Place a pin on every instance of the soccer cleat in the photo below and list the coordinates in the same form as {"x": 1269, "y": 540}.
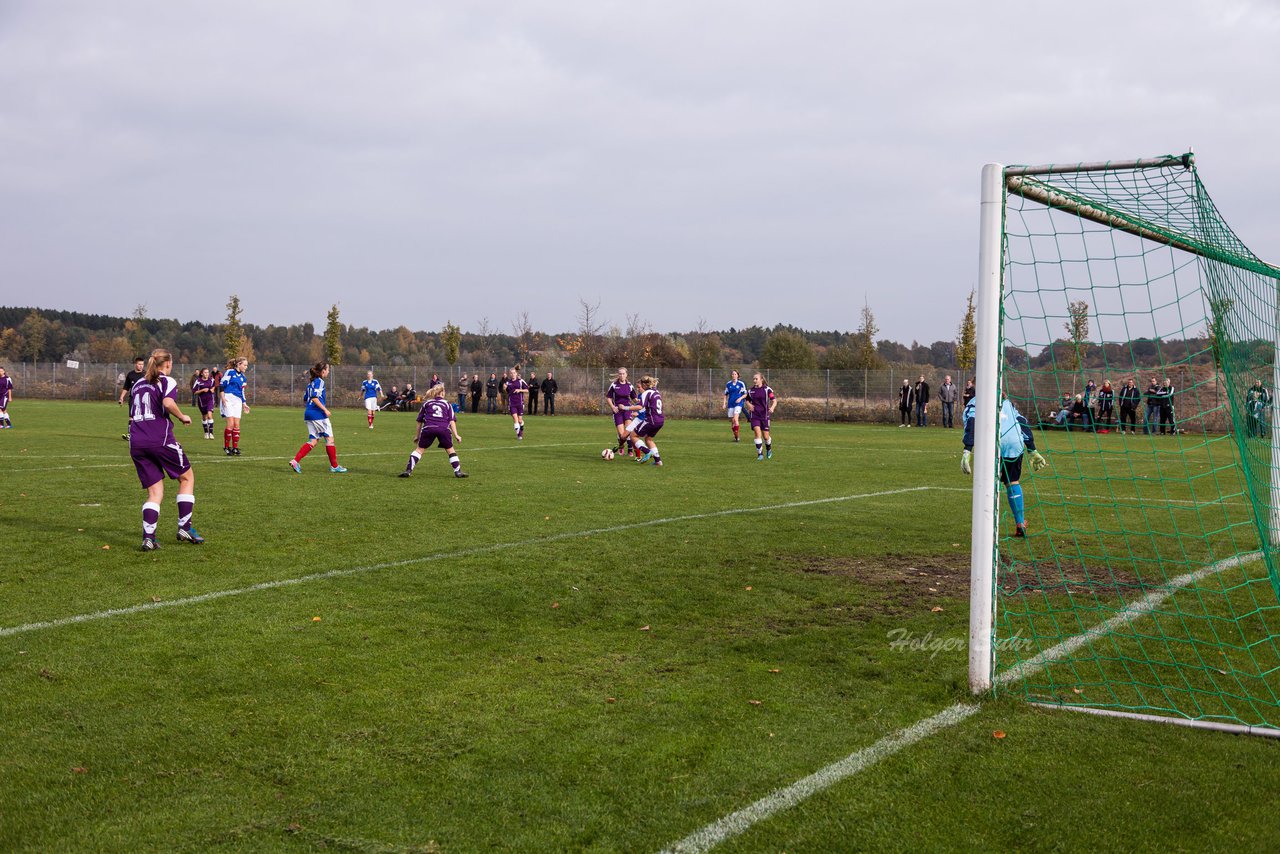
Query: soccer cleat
{"x": 759, "y": 458}
{"x": 227, "y": 451}
{"x": 768, "y": 455}
{"x": 149, "y": 544}
{"x": 460, "y": 474}
{"x": 293, "y": 464}
{"x": 235, "y": 452}
{"x": 337, "y": 469}
{"x": 190, "y": 535}
{"x": 657, "y": 462}
{"x": 1020, "y": 531}
{"x": 405, "y": 473}
{"x": 647, "y": 456}
{"x": 124, "y": 436}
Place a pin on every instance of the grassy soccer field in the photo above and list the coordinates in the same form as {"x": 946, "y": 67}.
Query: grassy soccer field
{"x": 558, "y": 653}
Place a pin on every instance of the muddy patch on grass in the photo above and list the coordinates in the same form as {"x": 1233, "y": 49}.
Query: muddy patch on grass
{"x": 1024, "y": 578}
{"x": 902, "y": 584}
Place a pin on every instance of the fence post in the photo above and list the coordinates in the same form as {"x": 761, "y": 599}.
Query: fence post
{"x": 827, "y": 405}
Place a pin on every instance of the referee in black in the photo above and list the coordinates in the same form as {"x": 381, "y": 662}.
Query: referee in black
{"x": 129, "y": 379}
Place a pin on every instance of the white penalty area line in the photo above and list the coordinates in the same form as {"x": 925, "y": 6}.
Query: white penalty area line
{"x": 242, "y": 460}
{"x": 782, "y": 799}
{"x": 479, "y": 550}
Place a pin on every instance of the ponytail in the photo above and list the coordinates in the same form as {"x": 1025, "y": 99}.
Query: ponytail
{"x": 317, "y": 369}
{"x": 158, "y": 358}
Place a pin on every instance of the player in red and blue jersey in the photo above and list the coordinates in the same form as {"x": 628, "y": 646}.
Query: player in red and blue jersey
{"x": 622, "y": 398}
{"x": 204, "y": 389}
{"x": 735, "y": 392}
{"x": 316, "y": 414}
{"x": 156, "y": 453}
{"x": 760, "y": 403}
{"x": 234, "y": 404}
{"x": 372, "y": 390}
{"x": 436, "y": 423}
{"x": 6, "y": 395}
{"x": 642, "y": 435}
{"x": 517, "y": 390}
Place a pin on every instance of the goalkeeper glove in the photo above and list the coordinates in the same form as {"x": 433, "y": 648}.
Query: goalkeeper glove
{"x": 1037, "y": 461}
{"x": 966, "y": 462}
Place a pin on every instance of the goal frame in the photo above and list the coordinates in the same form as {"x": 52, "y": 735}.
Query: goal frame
{"x": 997, "y": 182}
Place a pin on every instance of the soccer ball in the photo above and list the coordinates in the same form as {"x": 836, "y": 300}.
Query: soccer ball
{"x": 606, "y": 454}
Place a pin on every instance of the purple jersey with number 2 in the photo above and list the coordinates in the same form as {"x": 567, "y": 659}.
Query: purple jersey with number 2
{"x": 515, "y": 399}
{"x": 760, "y": 400}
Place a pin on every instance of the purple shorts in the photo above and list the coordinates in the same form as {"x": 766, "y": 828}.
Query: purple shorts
{"x": 760, "y": 420}
{"x": 4, "y": 401}
{"x": 427, "y": 435}
{"x": 648, "y": 429}
{"x": 516, "y": 404}
{"x": 622, "y": 416}
{"x": 154, "y": 463}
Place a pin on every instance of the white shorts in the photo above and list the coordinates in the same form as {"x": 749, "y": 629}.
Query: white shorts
{"x": 734, "y": 411}
{"x": 232, "y": 406}
{"x": 319, "y": 429}
{"x": 633, "y": 424}
{"x": 371, "y": 404}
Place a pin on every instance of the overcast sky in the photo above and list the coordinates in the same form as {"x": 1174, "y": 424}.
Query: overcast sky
{"x": 742, "y": 162}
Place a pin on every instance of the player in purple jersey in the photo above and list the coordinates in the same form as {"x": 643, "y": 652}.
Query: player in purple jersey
{"x": 6, "y": 395}
{"x": 622, "y": 398}
{"x": 316, "y": 415}
{"x": 643, "y": 433}
{"x": 205, "y": 391}
{"x": 517, "y": 389}
{"x": 156, "y": 453}
{"x": 436, "y": 423}
{"x": 760, "y": 403}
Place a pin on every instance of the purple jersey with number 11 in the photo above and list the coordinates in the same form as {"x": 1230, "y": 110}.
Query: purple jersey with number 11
{"x": 149, "y": 424}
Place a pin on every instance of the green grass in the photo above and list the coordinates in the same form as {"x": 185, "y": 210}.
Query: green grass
{"x": 521, "y": 661}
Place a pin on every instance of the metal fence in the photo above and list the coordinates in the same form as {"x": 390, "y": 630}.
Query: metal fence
{"x": 690, "y": 393}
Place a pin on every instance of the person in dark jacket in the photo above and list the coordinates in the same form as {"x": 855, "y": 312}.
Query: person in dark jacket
{"x": 534, "y": 388}
{"x": 491, "y": 394}
{"x": 1130, "y": 398}
{"x": 1165, "y": 393}
{"x": 969, "y": 392}
{"x": 1257, "y": 403}
{"x": 476, "y": 388}
{"x": 922, "y": 402}
{"x": 1153, "y": 407}
{"x": 906, "y": 398}
{"x": 1106, "y": 403}
{"x": 549, "y": 389}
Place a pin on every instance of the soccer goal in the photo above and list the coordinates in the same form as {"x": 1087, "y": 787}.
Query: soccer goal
{"x": 1137, "y": 335}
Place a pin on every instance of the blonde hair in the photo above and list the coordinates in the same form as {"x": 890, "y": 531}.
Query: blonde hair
{"x": 647, "y": 381}
{"x": 158, "y": 358}
{"x": 436, "y": 390}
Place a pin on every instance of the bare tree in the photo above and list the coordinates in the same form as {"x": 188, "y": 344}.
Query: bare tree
{"x": 522, "y": 329}
{"x": 590, "y": 325}
{"x": 484, "y": 330}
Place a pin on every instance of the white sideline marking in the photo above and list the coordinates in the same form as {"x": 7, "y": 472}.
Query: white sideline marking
{"x": 781, "y": 799}
{"x": 338, "y": 573}
{"x": 241, "y": 460}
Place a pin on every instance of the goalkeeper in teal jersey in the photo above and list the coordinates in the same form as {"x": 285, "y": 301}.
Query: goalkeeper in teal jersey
{"x": 1015, "y": 440}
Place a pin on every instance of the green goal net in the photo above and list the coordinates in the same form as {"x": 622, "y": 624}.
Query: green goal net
{"x": 1138, "y": 339}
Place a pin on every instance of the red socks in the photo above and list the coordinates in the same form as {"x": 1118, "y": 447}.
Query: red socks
{"x": 333, "y": 455}
{"x": 302, "y": 452}
{"x": 235, "y": 438}
{"x": 735, "y": 431}
{"x": 226, "y": 437}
